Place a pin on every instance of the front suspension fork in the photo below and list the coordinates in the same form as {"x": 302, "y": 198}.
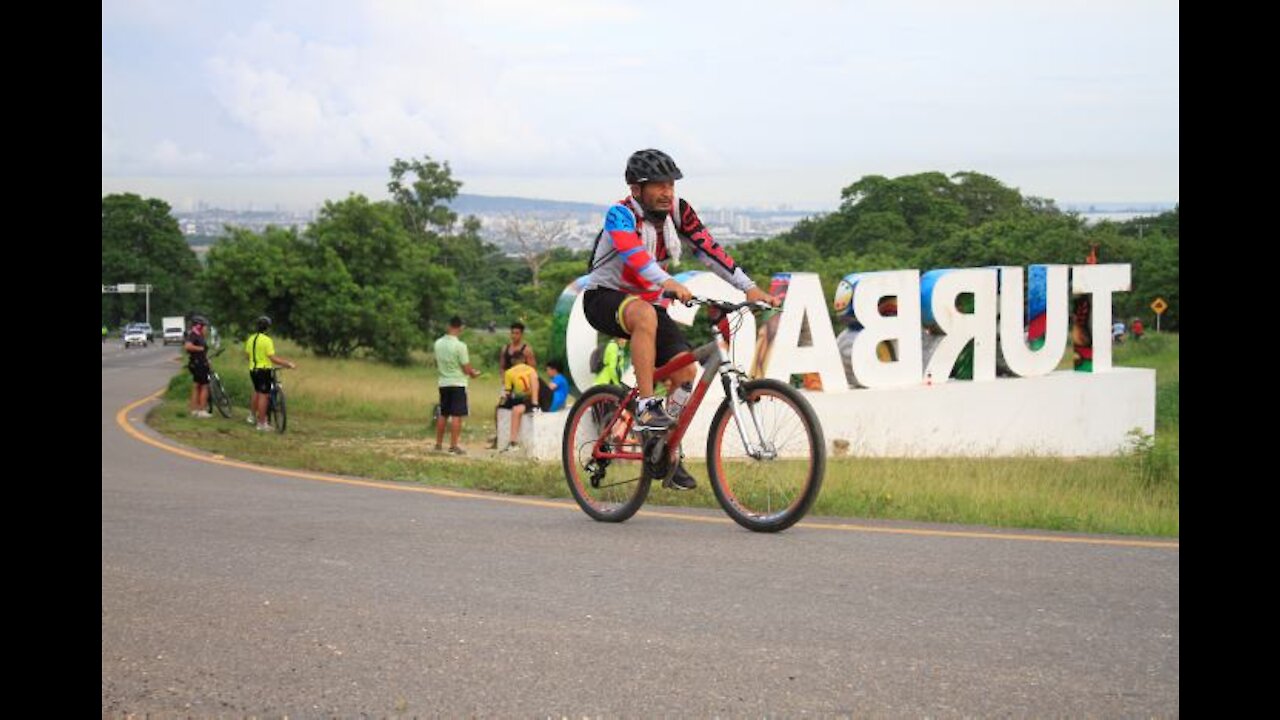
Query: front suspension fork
{"x": 736, "y": 396}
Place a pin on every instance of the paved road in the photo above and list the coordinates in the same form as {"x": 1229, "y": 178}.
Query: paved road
{"x": 230, "y": 591}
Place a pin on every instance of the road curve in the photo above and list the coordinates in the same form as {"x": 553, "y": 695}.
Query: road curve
{"x": 234, "y": 590}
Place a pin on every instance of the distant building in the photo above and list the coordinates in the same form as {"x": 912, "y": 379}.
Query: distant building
{"x": 728, "y": 225}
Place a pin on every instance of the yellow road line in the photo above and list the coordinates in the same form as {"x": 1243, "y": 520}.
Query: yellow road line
{"x": 122, "y": 420}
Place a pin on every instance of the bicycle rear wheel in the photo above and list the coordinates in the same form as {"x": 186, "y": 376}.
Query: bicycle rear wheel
{"x": 218, "y": 396}
{"x": 607, "y": 490}
{"x": 769, "y": 493}
{"x": 277, "y": 412}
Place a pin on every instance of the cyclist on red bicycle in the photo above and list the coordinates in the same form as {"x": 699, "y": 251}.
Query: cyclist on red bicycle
{"x": 641, "y": 236}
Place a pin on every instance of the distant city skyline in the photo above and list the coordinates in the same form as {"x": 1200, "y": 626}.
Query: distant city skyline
{"x": 293, "y": 102}
{"x": 171, "y": 191}
{"x": 239, "y": 193}
{"x": 729, "y": 225}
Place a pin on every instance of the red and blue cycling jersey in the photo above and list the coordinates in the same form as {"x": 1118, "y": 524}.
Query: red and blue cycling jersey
{"x": 624, "y": 261}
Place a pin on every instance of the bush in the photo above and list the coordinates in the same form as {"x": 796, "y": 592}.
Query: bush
{"x": 1156, "y": 463}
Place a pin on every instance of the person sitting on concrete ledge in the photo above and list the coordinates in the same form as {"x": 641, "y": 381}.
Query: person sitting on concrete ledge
{"x": 555, "y": 391}
{"x": 520, "y": 393}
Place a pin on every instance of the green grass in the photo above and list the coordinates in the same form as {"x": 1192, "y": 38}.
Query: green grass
{"x": 1155, "y": 459}
{"x": 357, "y": 417}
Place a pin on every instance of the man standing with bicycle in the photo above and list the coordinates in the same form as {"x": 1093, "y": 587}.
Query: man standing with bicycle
{"x": 198, "y": 364}
{"x": 642, "y": 234}
{"x": 261, "y": 351}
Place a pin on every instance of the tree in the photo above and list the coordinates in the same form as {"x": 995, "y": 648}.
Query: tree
{"x": 762, "y": 258}
{"x": 367, "y": 236}
{"x": 329, "y": 317}
{"x": 907, "y": 212}
{"x": 930, "y": 220}
{"x": 423, "y": 202}
{"x": 1020, "y": 240}
{"x": 424, "y": 212}
{"x": 249, "y": 274}
{"x": 536, "y": 238}
{"x": 984, "y": 198}
{"x": 365, "y": 283}
{"x": 355, "y": 279}
{"x": 141, "y": 243}
{"x": 1150, "y": 245}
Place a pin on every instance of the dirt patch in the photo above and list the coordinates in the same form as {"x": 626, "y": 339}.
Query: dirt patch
{"x": 400, "y": 448}
{"x": 408, "y": 448}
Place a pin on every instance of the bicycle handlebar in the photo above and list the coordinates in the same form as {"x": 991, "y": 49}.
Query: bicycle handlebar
{"x": 722, "y": 305}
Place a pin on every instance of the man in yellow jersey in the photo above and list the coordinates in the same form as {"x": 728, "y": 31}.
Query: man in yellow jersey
{"x": 520, "y": 385}
{"x": 261, "y": 352}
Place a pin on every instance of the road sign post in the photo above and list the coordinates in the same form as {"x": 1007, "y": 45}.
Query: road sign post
{"x": 131, "y": 288}
{"x": 1159, "y": 305}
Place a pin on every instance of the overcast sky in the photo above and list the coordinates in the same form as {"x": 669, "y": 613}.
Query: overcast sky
{"x": 295, "y": 102}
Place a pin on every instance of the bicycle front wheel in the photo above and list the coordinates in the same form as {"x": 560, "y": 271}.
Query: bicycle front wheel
{"x": 277, "y": 413}
{"x": 218, "y": 396}
{"x": 770, "y": 486}
{"x": 609, "y": 490}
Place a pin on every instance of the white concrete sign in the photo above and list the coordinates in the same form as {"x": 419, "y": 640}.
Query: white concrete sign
{"x": 1020, "y": 358}
{"x": 958, "y": 328}
{"x": 986, "y": 309}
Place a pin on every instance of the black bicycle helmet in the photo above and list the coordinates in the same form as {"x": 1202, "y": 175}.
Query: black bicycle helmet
{"x": 263, "y": 323}
{"x": 199, "y": 320}
{"x": 651, "y": 166}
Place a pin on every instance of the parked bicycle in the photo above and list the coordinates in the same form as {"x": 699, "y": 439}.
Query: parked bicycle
{"x": 218, "y": 396}
{"x": 766, "y": 456}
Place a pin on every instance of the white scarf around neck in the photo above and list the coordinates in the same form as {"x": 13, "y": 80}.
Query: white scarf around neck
{"x": 649, "y": 233}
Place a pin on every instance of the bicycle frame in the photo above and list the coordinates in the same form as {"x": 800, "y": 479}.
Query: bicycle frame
{"x": 275, "y": 385}
{"x": 714, "y": 361}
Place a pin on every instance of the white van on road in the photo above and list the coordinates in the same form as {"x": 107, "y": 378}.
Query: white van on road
{"x": 174, "y": 329}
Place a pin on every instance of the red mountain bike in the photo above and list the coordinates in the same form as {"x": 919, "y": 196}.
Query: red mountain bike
{"x": 765, "y": 451}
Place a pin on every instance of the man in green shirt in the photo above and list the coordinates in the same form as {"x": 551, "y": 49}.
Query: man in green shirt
{"x": 454, "y": 365}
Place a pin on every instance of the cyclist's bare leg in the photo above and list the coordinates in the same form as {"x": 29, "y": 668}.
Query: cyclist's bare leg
{"x": 440, "y": 430}
{"x": 455, "y": 429}
{"x": 260, "y": 401}
{"x": 642, "y": 322}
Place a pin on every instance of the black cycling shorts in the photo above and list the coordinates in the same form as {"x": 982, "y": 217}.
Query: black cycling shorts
{"x": 601, "y": 308}
{"x": 261, "y": 380}
{"x": 199, "y": 374}
{"x": 512, "y": 401}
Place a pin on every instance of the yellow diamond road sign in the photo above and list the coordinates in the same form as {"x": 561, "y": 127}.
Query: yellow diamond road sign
{"x": 1159, "y": 306}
